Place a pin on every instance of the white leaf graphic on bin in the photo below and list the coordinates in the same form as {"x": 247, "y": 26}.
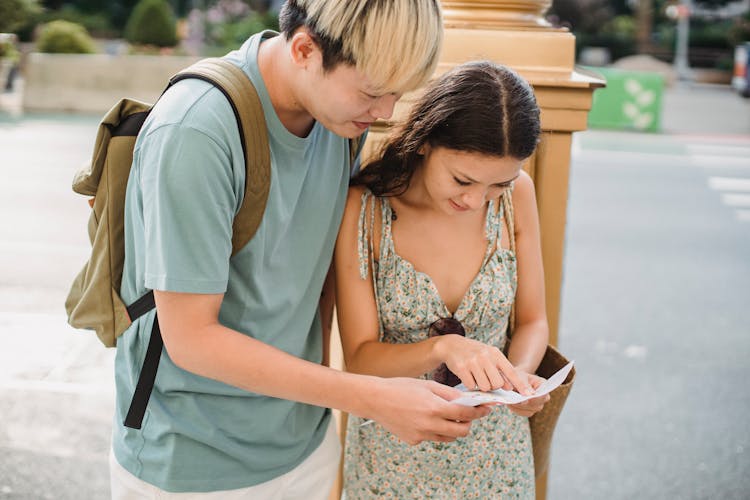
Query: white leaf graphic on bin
{"x": 646, "y": 98}
{"x": 632, "y": 86}
{"x": 643, "y": 121}
{"x": 630, "y": 110}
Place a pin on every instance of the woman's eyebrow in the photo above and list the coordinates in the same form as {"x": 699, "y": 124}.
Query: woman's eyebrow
{"x": 508, "y": 181}
{"x": 469, "y": 179}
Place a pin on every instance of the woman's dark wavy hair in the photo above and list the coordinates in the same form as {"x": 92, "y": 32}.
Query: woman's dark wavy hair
{"x": 478, "y": 107}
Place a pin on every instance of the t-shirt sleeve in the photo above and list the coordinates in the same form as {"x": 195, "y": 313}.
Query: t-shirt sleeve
{"x": 189, "y": 202}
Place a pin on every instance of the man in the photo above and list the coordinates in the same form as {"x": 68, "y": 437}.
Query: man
{"x": 239, "y": 407}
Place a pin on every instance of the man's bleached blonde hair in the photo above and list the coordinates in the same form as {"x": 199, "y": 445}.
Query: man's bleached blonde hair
{"x": 395, "y": 44}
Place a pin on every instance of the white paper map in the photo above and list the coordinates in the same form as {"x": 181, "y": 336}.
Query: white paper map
{"x": 476, "y": 398}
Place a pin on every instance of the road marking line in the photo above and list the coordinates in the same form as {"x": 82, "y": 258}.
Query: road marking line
{"x": 729, "y": 183}
{"x": 736, "y": 200}
{"x": 658, "y": 159}
{"x": 696, "y": 138}
{"x": 742, "y": 215}
{"x": 707, "y": 161}
{"x": 663, "y": 159}
{"x": 718, "y": 150}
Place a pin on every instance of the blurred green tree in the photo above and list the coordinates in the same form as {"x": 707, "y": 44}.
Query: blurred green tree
{"x": 152, "y": 23}
{"x": 14, "y": 14}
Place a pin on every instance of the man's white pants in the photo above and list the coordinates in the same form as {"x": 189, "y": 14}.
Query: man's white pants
{"x": 310, "y": 480}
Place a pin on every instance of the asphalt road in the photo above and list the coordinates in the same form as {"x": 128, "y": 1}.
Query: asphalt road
{"x": 655, "y": 312}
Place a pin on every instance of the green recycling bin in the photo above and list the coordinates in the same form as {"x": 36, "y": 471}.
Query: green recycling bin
{"x": 632, "y": 100}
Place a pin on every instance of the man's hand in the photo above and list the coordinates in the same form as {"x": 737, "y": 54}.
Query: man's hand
{"x": 418, "y": 410}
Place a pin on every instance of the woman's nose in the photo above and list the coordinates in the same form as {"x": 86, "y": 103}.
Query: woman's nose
{"x": 475, "y": 198}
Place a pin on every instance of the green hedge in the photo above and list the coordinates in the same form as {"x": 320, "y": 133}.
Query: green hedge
{"x": 64, "y": 37}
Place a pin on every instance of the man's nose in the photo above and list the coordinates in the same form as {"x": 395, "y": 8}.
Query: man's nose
{"x": 383, "y": 106}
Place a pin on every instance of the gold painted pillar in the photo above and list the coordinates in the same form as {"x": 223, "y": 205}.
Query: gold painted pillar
{"x": 515, "y": 33}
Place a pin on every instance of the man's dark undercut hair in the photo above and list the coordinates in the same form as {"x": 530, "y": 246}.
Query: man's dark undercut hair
{"x": 292, "y": 16}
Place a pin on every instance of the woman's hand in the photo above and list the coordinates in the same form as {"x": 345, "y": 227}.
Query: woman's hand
{"x": 533, "y": 405}
{"x": 479, "y": 365}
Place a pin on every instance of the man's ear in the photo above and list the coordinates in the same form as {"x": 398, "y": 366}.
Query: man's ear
{"x": 303, "y": 49}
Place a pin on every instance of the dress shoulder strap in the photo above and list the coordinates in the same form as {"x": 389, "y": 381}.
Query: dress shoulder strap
{"x": 507, "y": 201}
{"x": 364, "y": 232}
{"x": 366, "y": 247}
{"x": 496, "y": 214}
{"x": 374, "y": 219}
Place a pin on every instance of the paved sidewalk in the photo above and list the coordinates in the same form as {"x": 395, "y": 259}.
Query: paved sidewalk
{"x": 56, "y": 383}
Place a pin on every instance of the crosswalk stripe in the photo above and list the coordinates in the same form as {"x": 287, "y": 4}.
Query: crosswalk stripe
{"x": 708, "y": 161}
{"x": 717, "y": 150}
{"x": 664, "y": 159}
{"x": 729, "y": 183}
{"x": 736, "y": 200}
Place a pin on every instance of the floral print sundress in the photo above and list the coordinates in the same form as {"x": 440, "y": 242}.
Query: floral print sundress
{"x": 495, "y": 460}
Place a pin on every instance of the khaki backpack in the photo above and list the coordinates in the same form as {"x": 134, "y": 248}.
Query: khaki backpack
{"x": 94, "y": 302}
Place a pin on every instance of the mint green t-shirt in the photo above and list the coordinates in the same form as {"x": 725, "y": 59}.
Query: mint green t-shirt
{"x": 186, "y": 185}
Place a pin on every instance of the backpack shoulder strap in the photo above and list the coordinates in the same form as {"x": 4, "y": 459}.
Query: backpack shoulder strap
{"x": 248, "y": 110}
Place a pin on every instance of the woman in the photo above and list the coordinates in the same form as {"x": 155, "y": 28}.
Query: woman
{"x": 440, "y": 237}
